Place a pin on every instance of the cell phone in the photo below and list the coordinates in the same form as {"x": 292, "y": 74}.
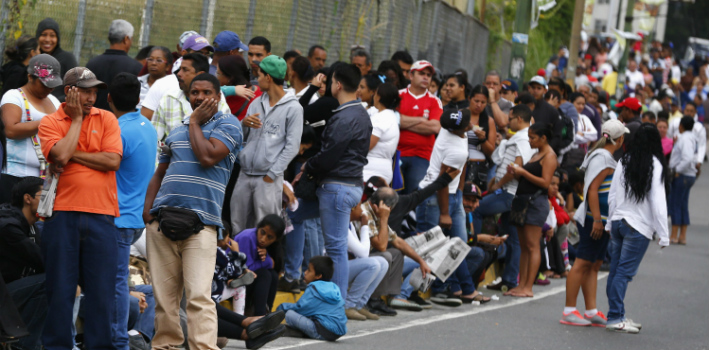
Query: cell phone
{"x": 505, "y": 236}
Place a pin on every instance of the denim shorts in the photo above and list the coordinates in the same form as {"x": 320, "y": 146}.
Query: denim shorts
{"x": 590, "y": 249}
{"x": 537, "y": 211}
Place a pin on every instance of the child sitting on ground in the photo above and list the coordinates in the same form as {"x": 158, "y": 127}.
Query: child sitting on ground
{"x": 320, "y": 311}
{"x": 231, "y": 275}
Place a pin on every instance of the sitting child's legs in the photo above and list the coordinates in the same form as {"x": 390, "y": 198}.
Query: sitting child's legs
{"x": 303, "y": 324}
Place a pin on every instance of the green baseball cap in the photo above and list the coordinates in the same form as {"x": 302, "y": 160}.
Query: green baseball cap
{"x": 274, "y": 66}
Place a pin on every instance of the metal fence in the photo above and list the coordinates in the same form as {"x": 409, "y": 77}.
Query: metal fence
{"x": 430, "y": 30}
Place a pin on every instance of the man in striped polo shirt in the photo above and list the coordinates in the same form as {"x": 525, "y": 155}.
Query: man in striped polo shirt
{"x": 515, "y": 150}
{"x": 192, "y": 174}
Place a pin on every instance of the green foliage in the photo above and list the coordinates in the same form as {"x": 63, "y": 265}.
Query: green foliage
{"x": 554, "y": 30}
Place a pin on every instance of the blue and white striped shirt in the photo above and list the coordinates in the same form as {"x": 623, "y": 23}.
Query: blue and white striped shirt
{"x": 187, "y": 184}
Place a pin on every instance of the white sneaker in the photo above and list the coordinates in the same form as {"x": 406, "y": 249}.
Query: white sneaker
{"x": 633, "y": 323}
{"x": 622, "y": 327}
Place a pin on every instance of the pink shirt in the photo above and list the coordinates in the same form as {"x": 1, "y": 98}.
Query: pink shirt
{"x": 667, "y": 145}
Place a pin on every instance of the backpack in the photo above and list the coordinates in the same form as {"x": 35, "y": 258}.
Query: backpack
{"x": 568, "y": 131}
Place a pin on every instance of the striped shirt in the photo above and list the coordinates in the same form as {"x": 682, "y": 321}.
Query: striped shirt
{"x": 603, "y": 191}
{"x": 511, "y": 153}
{"x": 187, "y": 184}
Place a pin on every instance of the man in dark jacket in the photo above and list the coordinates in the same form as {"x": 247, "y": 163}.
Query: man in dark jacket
{"x": 543, "y": 112}
{"x": 50, "y": 43}
{"x": 21, "y": 262}
{"x": 339, "y": 164}
{"x": 115, "y": 59}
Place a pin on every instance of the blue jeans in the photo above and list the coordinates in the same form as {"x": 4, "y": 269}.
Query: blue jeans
{"x": 295, "y": 240}
{"x": 679, "y": 199}
{"x": 126, "y": 237}
{"x": 413, "y": 169}
{"x": 314, "y": 242}
{"x": 80, "y": 248}
{"x": 336, "y": 203}
{"x": 364, "y": 277}
{"x": 428, "y": 213}
{"x": 406, "y": 288}
{"x": 500, "y": 202}
{"x": 461, "y": 279}
{"x": 145, "y": 322}
{"x": 303, "y": 324}
{"x": 628, "y": 247}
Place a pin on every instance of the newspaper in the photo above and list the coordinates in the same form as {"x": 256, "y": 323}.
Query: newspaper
{"x": 49, "y": 193}
{"x": 419, "y": 282}
{"x": 444, "y": 260}
{"x": 427, "y": 241}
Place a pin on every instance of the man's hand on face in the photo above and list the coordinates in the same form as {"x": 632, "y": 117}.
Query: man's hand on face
{"x": 204, "y": 111}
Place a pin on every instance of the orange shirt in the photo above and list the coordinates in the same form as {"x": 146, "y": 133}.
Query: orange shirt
{"x": 81, "y": 188}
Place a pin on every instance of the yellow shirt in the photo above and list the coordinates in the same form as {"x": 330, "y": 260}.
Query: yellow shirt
{"x": 610, "y": 82}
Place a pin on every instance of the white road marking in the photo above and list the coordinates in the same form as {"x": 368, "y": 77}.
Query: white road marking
{"x": 429, "y": 320}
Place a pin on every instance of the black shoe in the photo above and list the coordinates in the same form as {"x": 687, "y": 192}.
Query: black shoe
{"x": 421, "y": 301}
{"x": 303, "y": 285}
{"x": 377, "y": 306}
{"x": 137, "y": 342}
{"x": 501, "y": 286}
{"x": 293, "y": 332}
{"x": 265, "y": 324}
{"x": 446, "y": 299}
{"x": 290, "y": 287}
{"x": 266, "y": 338}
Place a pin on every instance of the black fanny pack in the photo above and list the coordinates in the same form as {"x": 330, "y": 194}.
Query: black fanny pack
{"x": 178, "y": 224}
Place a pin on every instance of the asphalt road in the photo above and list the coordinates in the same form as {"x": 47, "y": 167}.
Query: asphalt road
{"x": 668, "y": 296}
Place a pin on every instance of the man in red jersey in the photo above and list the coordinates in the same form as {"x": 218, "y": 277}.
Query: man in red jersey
{"x": 420, "y": 114}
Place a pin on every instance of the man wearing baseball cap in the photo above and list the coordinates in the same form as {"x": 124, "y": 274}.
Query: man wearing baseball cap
{"x": 630, "y": 109}
{"x": 509, "y": 90}
{"x": 543, "y": 112}
{"x": 272, "y": 131}
{"x": 420, "y": 113}
{"x": 225, "y": 43}
{"x": 83, "y": 145}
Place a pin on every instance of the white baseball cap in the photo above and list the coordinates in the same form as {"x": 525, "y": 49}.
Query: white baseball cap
{"x": 538, "y": 79}
{"x": 421, "y": 65}
{"x": 613, "y": 129}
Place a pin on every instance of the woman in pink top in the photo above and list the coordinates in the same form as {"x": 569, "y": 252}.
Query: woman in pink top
{"x": 666, "y": 141}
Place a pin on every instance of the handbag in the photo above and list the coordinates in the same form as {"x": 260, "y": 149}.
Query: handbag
{"x": 178, "y": 224}
{"x": 306, "y": 187}
{"x": 520, "y": 205}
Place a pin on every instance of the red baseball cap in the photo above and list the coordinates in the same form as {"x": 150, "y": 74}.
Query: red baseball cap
{"x": 630, "y": 102}
{"x": 588, "y": 56}
{"x": 421, "y": 65}
{"x": 542, "y": 72}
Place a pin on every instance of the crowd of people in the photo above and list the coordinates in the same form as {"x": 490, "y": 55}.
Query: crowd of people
{"x": 138, "y": 195}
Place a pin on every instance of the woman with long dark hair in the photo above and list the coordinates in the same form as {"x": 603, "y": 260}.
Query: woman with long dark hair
{"x": 458, "y": 91}
{"x": 534, "y": 179}
{"x": 366, "y": 90}
{"x": 300, "y": 75}
{"x": 233, "y": 70}
{"x": 481, "y": 139}
{"x": 392, "y": 71}
{"x": 637, "y": 209}
{"x": 14, "y": 73}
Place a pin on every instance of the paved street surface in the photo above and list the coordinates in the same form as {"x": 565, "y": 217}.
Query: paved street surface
{"x": 668, "y": 296}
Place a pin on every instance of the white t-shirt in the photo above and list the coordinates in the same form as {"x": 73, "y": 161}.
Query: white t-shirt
{"x": 451, "y": 150}
{"x": 300, "y": 94}
{"x": 158, "y": 90}
{"x": 379, "y": 158}
{"x": 144, "y": 88}
{"x": 21, "y": 156}
{"x": 635, "y": 78}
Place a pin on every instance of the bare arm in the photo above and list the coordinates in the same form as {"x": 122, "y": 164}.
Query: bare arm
{"x": 489, "y": 145}
{"x": 15, "y": 129}
{"x": 501, "y": 119}
{"x": 420, "y": 125}
{"x": 549, "y": 164}
{"x": 101, "y": 161}
{"x": 380, "y": 241}
{"x": 406, "y": 249}
{"x": 208, "y": 152}
{"x": 152, "y": 192}
{"x": 507, "y": 178}
{"x": 146, "y": 112}
{"x": 373, "y": 142}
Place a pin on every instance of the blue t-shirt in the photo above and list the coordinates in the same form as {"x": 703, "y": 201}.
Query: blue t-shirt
{"x": 189, "y": 185}
{"x": 137, "y": 166}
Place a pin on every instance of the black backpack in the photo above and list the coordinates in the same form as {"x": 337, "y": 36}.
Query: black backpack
{"x": 568, "y": 131}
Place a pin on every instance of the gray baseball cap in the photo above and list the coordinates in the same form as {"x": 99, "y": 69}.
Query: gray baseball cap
{"x": 83, "y": 78}
{"x": 47, "y": 69}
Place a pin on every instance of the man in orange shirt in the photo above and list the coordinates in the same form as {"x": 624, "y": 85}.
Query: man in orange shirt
{"x": 83, "y": 144}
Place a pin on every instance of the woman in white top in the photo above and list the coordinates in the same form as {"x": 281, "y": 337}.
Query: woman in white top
{"x": 159, "y": 63}
{"x": 585, "y": 131}
{"x": 637, "y": 208}
{"x": 683, "y": 164}
{"x": 385, "y": 134}
{"x": 365, "y": 272}
{"x": 22, "y": 109}
{"x": 366, "y": 90}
